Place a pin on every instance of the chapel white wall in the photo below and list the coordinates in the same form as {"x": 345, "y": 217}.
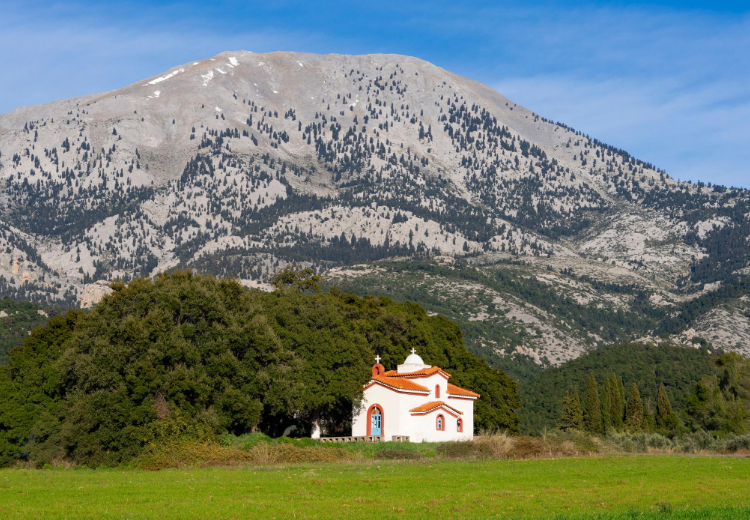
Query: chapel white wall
{"x": 428, "y": 424}
{"x": 467, "y": 407}
{"x": 430, "y": 383}
{"x": 393, "y": 419}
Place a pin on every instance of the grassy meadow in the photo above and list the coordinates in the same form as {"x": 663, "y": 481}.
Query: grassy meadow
{"x": 612, "y": 487}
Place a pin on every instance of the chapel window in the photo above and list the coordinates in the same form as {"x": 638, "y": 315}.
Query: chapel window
{"x": 440, "y": 423}
{"x": 376, "y": 422}
{"x": 459, "y": 425}
{"x": 437, "y": 391}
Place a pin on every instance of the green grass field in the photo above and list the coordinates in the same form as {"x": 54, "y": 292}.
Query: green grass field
{"x": 661, "y": 487}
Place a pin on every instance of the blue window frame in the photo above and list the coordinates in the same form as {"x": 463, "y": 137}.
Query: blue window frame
{"x": 376, "y": 422}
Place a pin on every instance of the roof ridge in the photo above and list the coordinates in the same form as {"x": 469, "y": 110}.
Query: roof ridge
{"x": 434, "y": 405}
{"x": 423, "y": 372}
{"x": 399, "y": 383}
{"x": 457, "y": 390}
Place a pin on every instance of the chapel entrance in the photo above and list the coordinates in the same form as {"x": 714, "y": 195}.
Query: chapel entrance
{"x": 376, "y": 421}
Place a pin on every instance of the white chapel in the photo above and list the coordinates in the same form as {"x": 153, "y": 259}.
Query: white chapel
{"x": 415, "y": 401}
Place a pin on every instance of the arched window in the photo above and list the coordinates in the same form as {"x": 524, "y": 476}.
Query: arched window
{"x": 437, "y": 391}
{"x": 440, "y": 423}
{"x": 375, "y": 420}
{"x": 459, "y": 425}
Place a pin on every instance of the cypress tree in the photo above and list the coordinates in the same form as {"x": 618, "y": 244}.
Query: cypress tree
{"x": 618, "y": 401}
{"x": 606, "y": 403}
{"x": 666, "y": 420}
{"x": 634, "y": 410}
{"x": 592, "y": 415}
{"x": 571, "y": 418}
{"x": 649, "y": 423}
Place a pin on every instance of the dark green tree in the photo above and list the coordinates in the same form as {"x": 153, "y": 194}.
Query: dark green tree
{"x": 22, "y": 318}
{"x": 650, "y": 366}
{"x": 665, "y": 420}
{"x": 592, "y": 412}
{"x": 649, "y": 421}
{"x": 297, "y": 280}
{"x": 606, "y": 405}
{"x": 29, "y": 386}
{"x": 722, "y": 403}
{"x": 201, "y": 343}
{"x": 572, "y": 416}
{"x": 634, "y": 410}
{"x": 734, "y": 377}
{"x": 709, "y": 408}
{"x": 618, "y": 401}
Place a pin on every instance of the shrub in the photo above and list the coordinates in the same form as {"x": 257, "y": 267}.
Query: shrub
{"x": 462, "y": 450}
{"x": 397, "y": 453}
{"x": 529, "y": 447}
{"x": 686, "y": 443}
{"x": 188, "y": 453}
{"x": 735, "y": 443}
{"x": 245, "y": 441}
{"x": 573, "y": 442}
{"x": 498, "y": 446}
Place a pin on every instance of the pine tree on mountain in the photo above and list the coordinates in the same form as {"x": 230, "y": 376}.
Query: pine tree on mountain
{"x": 606, "y": 404}
{"x": 592, "y": 414}
{"x": 634, "y": 410}
{"x": 665, "y": 419}
{"x": 572, "y": 417}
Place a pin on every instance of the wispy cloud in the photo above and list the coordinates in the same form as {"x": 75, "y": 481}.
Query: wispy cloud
{"x": 697, "y": 135}
{"x": 672, "y": 88}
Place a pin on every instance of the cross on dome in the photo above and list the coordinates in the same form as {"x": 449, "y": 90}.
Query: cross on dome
{"x": 377, "y": 359}
{"x": 412, "y": 363}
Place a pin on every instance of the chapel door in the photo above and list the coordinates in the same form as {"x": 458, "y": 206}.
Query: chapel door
{"x": 376, "y": 422}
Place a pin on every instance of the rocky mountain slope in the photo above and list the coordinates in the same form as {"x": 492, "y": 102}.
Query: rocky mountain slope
{"x": 241, "y": 163}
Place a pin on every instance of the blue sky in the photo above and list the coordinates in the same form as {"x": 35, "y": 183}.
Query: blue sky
{"x": 668, "y": 81}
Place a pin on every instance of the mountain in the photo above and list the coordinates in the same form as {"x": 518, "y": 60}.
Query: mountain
{"x": 388, "y": 174}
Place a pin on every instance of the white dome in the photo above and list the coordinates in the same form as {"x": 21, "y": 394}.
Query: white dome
{"x": 412, "y": 363}
{"x": 413, "y": 359}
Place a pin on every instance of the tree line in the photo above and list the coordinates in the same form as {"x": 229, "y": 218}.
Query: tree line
{"x": 607, "y": 409}
{"x": 719, "y": 403}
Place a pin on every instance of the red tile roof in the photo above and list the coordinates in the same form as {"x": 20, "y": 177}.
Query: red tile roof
{"x": 461, "y": 392}
{"x": 434, "y": 405}
{"x": 425, "y": 372}
{"x": 399, "y": 384}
